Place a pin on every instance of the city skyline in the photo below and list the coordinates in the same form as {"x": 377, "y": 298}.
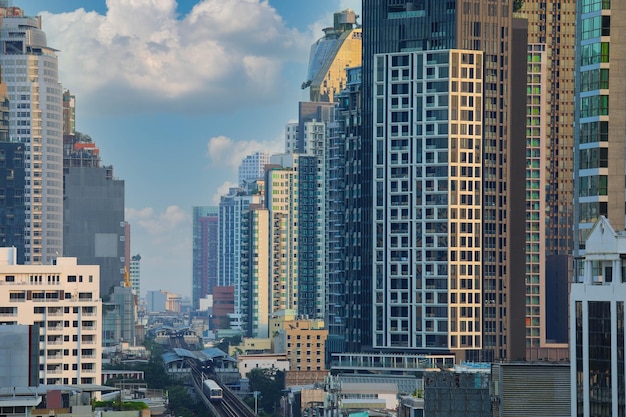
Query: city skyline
{"x": 129, "y": 102}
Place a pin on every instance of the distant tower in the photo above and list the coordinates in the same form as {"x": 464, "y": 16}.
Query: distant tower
{"x": 205, "y": 223}
{"x": 252, "y": 167}
{"x": 30, "y": 70}
{"x": 135, "y": 273}
{"x": 69, "y": 113}
{"x": 330, "y": 55}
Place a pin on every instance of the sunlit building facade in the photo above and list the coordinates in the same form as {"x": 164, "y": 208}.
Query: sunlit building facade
{"x": 331, "y": 55}
{"x": 63, "y": 299}
{"x": 407, "y": 108}
{"x": 30, "y": 70}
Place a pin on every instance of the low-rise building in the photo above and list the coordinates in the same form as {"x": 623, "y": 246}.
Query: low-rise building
{"x": 304, "y": 342}
{"x": 247, "y": 363}
{"x": 530, "y": 389}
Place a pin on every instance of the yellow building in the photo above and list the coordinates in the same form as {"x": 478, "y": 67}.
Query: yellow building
{"x": 303, "y": 341}
{"x": 330, "y": 55}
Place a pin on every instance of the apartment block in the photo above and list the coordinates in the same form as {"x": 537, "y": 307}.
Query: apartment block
{"x": 63, "y": 299}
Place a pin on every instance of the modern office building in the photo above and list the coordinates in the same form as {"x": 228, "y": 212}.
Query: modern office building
{"x": 295, "y": 201}
{"x": 549, "y": 175}
{"x": 252, "y": 168}
{"x": 63, "y": 299}
{"x": 205, "y": 251}
{"x": 598, "y": 294}
{"x": 599, "y": 172}
{"x": 30, "y": 70}
{"x": 340, "y": 47}
{"x": 443, "y": 142}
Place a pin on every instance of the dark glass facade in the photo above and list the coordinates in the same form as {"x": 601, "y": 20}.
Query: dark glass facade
{"x": 580, "y": 387}
{"x": 600, "y": 379}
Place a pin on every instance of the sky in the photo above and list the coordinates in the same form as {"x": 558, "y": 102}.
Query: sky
{"x": 175, "y": 94}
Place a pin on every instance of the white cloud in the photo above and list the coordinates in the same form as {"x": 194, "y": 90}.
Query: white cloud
{"x": 164, "y": 241}
{"x": 158, "y": 225}
{"x": 221, "y": 191}
{"x": 142, "y": 56}
{"x": 224, "y": 152}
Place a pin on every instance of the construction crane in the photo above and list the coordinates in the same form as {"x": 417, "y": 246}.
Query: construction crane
{"x": 127, "y": 282}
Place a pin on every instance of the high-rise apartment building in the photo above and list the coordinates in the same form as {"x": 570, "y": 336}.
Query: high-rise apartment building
{"x": 255, "y": 269}
{"x": 549, "y": 175}
{"x": 205, "y": 252}
{"x": 232, "y": 209}
{"x": 343, "y": 139}
{"x": 30, "y": 70}
{"x": 295, "y": 201}
{"x": 340, "y": 47}
{"x": 63, "y": 299}
{"x": 442, "y": 143}
{"x": 252, "y": 168}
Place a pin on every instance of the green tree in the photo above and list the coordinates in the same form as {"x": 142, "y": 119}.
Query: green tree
{"x": 517, "y": 5}
{"x": 270, "y": 383}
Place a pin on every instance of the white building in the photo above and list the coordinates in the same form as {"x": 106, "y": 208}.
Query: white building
{"x": 63, "y": 299}
{"x": 135, "y": 274}
{"x": 313, "y": 138}
{"x": 597, "y": 297}
{"x": 252, "y": 167}
{"x": 427, "y": 201}
{"x": 30, "y": 70}
{"x": 248, "y": 362}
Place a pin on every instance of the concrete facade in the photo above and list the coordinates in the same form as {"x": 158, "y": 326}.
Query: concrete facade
{"x": 63, "y": 299}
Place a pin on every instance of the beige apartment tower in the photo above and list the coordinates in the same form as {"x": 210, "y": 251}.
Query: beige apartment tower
{"x": 63, "y": 299}
{"x": 549, "y": 174}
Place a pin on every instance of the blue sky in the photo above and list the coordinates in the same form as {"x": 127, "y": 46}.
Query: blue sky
{"x": 175, "y": 94}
